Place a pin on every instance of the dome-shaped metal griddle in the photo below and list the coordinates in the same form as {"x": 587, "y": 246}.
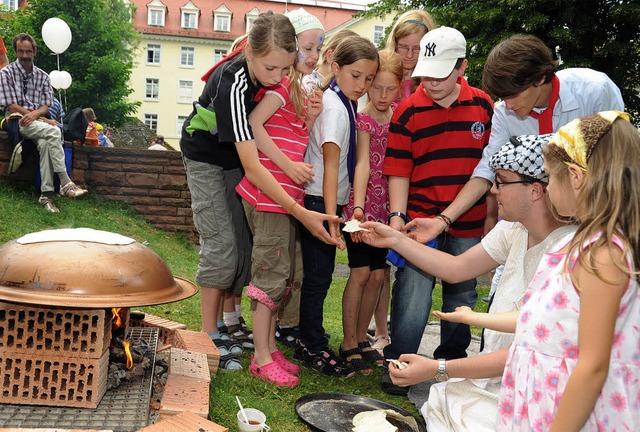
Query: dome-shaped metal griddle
{"x": 85, "y": 268}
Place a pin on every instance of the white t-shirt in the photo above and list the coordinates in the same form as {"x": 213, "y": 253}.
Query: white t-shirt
{"x": 507, "y": 244}
{"x": 331, "y": 126}
{"x": 472, "y": 404}
{"x": 582, "y": 92}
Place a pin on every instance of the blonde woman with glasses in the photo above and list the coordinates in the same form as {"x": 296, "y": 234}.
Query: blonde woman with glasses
{"x": 405, "y": 40}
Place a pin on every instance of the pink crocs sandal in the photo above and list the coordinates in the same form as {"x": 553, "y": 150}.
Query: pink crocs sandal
{"x": 285, "y": 364}
{"x": 273, "y": 373}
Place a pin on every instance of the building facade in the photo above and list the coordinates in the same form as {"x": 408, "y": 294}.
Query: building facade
{"x": 182, "y": 39}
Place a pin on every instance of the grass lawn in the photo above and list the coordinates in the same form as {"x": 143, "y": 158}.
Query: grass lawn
{"x": 20, "y": 215}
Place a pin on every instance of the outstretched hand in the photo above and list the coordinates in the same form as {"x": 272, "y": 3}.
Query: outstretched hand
{"x": 424, "y": 230}
{"x": 418, "y": 369}
{"x": 314, "y": 222}
{"x": 462, "y": 314}
{"x": 379, "y": 235}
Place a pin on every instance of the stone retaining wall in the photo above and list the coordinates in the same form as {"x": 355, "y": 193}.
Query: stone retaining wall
{"x": 154, "y": 183}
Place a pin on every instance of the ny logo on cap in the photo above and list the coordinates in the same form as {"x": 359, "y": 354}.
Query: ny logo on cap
{"x": 430, "y": 49}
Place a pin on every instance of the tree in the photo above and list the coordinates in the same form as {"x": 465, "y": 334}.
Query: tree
{"x": 603, "y": 35}
{"x": 99, "y": 59}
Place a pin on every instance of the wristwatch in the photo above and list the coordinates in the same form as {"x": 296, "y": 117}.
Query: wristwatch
{"x": 441, "y": 374}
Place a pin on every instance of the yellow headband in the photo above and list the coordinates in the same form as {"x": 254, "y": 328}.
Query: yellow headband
{"x": 579, "y": 137}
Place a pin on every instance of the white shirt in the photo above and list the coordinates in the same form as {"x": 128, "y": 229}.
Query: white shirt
{"x": 332, "y": 125}
{"x": 582, "y": 92}
{"x": 508, "y": 243}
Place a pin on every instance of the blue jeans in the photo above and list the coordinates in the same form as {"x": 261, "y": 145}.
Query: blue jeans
{"x": 318, "y": 261}
{"x": 411, "y": 306}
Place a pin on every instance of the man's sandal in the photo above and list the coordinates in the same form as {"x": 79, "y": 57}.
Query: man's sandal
{"x": 48, "y": 204}
{"x": 72, "y": 190}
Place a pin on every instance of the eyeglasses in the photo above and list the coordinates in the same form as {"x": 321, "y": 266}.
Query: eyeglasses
{"x": 25, "y": 81}
{"x": 405, "y": 49}
{"x": 499, "y": 183}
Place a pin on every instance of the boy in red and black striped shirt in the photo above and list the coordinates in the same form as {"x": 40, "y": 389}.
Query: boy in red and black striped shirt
{"x": 436, "y": 138}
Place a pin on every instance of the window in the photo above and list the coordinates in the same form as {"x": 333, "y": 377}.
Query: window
{"x": 222, "y": 19}
{"x": 218, "y": 54}
{"x": 185, "y": 91}
{"x": 156, "y": 12}
{"x": 151, "y": 121}
{"x": 250, "y": 17}
{"x": 152, "y": 89}
{"x": 10, "y": 4}
{"x": 189, "y": 20}
{"x": 186, "y": 56}
{"x": 179, "y": 123}
{"x": 222, "y": 23}
{"x": 378, "y": 34}
{"x": 153, "y": 54}
{"x": 190, "y": 14}
{"x": 156, "y": 18}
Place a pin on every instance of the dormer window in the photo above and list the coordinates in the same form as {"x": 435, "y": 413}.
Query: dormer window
{"x": 190, "y": 14}
{"x": 156, "y": 12}
{"x": 11, "y": 5}
{"x": 250, "y": 17}
{"x": 222, "y": 19}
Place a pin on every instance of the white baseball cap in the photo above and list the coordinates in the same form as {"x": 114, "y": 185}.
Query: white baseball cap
{"x": 440, "y": 49}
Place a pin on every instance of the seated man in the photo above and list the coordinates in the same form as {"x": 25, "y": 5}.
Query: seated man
{"x": 26, "y": 95}
{"x": 527, "y": 230}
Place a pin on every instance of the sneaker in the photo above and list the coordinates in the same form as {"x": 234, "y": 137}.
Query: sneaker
{"x": 325, "y": 361}
{"x": 72, "y": 190}
{"x": 288, "y": 335}
{"x": 390, "y": 388}
{"x": 48, "y": 204}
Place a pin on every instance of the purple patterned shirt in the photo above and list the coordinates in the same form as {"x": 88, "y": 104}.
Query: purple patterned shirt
{"x": 30, "y": 91}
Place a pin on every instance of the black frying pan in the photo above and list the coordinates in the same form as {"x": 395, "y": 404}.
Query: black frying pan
{"x": 333, "y": 412}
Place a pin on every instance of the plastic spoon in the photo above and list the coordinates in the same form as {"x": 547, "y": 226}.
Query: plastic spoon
{"x": 244, "y": 414}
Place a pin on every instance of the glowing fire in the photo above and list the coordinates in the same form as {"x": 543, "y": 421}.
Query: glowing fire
{"x": 127, "y": 351}
{"x": 116, "y": 319}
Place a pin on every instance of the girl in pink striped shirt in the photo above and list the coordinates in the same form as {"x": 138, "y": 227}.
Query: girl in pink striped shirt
{"x": 281, "y": 123}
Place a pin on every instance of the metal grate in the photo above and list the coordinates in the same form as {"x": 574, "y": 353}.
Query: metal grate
{"x": 124, "y": 409}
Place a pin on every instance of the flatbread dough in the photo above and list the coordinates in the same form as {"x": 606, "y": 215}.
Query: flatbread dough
{"x": 352, "y": 226}
{"x": 372, "y": 421}
{"x": 399, "y": 364}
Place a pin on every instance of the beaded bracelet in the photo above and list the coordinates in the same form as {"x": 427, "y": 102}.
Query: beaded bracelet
{"x": 447, "y": 220}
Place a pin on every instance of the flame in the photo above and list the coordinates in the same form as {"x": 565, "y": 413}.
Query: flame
{"x": 127, "y": 351}
{"x": 116, "y": 319}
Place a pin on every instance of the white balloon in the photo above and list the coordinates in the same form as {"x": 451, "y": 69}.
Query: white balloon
{"x": 56, "y": 79}
{"x": 66, "y": 80}
{"x": 56, "y": 34}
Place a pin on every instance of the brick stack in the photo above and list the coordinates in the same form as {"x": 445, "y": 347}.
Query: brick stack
{"x": 53, "y": 356}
